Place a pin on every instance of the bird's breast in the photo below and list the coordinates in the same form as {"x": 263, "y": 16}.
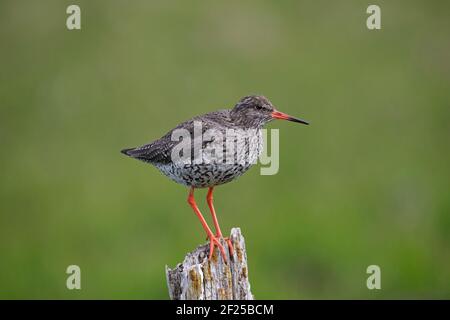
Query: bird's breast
{"x": 234, "y": 147}
{"x": 222, "y": 160}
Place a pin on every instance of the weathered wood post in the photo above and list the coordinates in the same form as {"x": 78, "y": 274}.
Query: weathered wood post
{"x": 198, "y": 278}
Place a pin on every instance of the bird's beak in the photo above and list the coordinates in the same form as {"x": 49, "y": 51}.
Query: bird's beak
{"x": 280, "y": 115}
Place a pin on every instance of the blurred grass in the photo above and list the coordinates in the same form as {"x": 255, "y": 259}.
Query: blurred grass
{"x": 366, "y": 183}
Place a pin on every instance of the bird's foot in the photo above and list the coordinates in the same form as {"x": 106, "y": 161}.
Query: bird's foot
{"x": 228, "y": 241}
{"x": 230, "y": 246}
{"x": 214, "y": 241}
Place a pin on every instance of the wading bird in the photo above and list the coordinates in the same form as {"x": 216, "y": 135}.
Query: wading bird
{"x": 246, "y": 120}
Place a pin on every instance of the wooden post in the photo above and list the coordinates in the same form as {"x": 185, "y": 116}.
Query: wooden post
{"x": 198, "y": 278}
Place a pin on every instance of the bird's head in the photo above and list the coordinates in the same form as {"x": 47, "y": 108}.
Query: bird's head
{"x": 256, "y": 111}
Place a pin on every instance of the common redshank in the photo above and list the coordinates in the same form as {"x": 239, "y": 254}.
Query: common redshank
{"x": 218, "y": 161}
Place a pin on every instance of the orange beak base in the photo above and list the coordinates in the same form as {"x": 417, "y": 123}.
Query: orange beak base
{"x": 283, "y": 116}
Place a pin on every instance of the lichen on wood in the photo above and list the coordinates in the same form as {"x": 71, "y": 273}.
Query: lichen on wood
{"x": 199, "y": 278}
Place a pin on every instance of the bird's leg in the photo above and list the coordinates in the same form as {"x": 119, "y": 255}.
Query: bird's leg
{"x": 212, "y": 239}
{"x": 209, "y": 199}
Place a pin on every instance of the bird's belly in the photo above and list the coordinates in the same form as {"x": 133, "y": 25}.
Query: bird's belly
{"x": 215, "y": 171}
{"x": 204, "y": 175}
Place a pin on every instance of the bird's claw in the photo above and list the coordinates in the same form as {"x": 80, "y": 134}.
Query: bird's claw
{"x": 230, "y": 246}
{"x": 214, "y": 241}
{"x": 220, "y": 246}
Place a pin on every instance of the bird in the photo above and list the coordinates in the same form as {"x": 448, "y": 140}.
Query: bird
{"x": 217, "y": 147}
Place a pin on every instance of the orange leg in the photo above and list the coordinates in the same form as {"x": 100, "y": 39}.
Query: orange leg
{"x": 209, "y": 199}
{"x": 212, "y": 239}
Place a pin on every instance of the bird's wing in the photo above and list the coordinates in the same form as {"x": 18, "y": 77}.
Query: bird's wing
{"x": 159, "y": 151}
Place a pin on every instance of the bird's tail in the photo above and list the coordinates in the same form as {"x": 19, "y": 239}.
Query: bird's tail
{"x": 127, "y": 151}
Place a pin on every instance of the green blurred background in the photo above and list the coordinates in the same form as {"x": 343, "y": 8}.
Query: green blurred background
{"x": 366, "y": 183}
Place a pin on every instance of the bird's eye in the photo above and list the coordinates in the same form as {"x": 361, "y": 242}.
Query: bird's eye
{"x": 259, "y": 107}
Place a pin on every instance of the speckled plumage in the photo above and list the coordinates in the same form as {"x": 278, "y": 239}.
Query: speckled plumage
{"x": 215, "y": 172}
{"x": 247, "y": 119}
